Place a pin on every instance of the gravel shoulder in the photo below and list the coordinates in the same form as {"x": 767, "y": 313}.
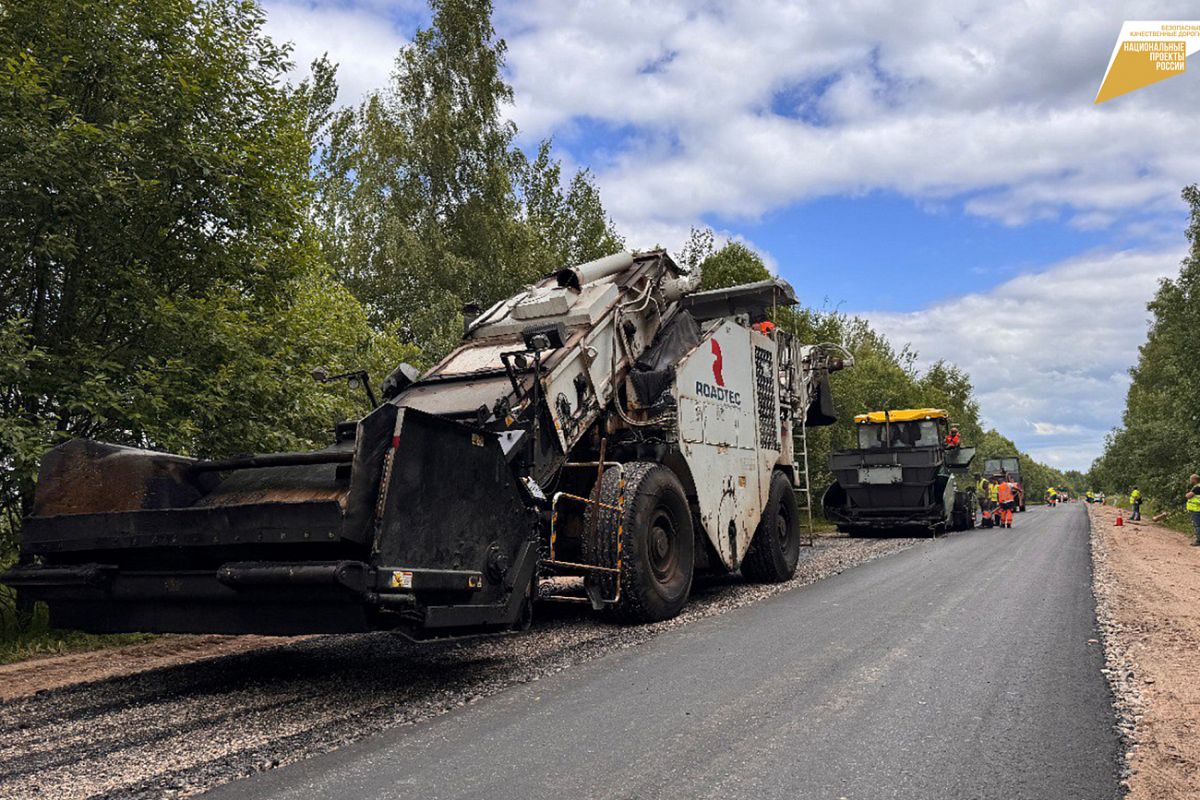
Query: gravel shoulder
{"x": 44, "y": 673}
{"x": 1147, "y": 581}
{"x": 180, "y": 728}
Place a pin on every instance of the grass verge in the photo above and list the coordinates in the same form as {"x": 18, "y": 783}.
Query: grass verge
{"x": 24, "y": 636}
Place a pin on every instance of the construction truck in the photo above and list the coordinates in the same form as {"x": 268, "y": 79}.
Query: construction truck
{"x": 902, "y": 476}
{"x": 1002, "y": 468}
{"x": 600, "y": 437}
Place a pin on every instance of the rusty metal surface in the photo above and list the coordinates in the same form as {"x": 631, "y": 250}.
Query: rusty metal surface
{"x": 84, "y": 477}
{"x": 279, "y": 485}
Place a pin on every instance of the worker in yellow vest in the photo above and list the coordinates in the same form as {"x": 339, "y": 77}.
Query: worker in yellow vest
{"x": 1193, "y": 505}
{"x": 1135, "y": 504}
{"x": 994, "y": 503}
{"x": 1052, "y": 497}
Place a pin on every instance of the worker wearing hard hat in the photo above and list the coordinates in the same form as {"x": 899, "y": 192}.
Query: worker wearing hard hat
{"x": 1135, "y": 503}
{"x": 1052, "y": 496}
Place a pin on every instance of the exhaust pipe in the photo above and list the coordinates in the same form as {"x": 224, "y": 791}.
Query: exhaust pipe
{"x": 575, "y": 277}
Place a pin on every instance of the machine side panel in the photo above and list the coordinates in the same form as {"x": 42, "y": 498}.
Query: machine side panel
{"x": 715, "y": 390}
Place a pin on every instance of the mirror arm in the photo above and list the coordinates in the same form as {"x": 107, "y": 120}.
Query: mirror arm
{"x": 366, "y": 382}
{"x": 358, "y": 374}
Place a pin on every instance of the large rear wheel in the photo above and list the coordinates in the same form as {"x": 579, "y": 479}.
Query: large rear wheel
{"x": 657, "y": 543}
{"x": 775, "y": 548}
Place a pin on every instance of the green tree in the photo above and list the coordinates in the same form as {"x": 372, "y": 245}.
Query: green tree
{"x": 945, "y": 385}
{"x": 1158, "y": 444}
{"x": 159, "y": 283}
{"x": 425, "y": 202}
{"x": 562, "y": 227}
{"x": 729, "y": 265}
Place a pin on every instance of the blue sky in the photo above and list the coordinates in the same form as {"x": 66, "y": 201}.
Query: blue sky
{"x": 886, "y": 252}
{"x": 853, "y": 144}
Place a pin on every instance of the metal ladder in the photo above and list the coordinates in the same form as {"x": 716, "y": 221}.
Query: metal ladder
{"x": 804, "y": 485}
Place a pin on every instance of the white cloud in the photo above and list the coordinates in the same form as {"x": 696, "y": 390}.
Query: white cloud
{"x": 1052, "y": 347}
{"x": 989, "y": 103}
{"x": 362, "y": 39}
{"x": 739, "y": 108}
{"x": 1052, "y": 429}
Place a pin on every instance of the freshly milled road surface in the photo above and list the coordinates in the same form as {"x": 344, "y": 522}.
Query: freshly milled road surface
{"x": 960, "y": 669}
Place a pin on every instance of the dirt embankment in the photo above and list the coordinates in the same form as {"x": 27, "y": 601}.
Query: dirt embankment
{"x": 1148, "y": 594}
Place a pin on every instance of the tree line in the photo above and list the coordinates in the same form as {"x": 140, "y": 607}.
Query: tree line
{"x": 185, "y": 235}
{"x": 1155, "y": 448}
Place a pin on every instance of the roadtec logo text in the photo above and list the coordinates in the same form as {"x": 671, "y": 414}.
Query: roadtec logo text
{"x": 718, "y": 393}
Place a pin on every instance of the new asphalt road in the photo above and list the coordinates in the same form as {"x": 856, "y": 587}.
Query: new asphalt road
{"x": 961, "y": 668}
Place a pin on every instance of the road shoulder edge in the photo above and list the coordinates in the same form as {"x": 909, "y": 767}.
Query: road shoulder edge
{"x": 1119, "y": 664}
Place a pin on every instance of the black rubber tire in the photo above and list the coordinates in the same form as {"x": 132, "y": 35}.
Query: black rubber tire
{"x": 657, "y": 542}
{"x": 775, "y": 549}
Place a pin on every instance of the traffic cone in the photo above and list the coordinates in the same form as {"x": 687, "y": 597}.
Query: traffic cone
{"x": 1120, "y": 522}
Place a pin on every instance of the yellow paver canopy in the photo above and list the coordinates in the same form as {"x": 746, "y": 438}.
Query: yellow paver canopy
{"x": 901, "y": 415}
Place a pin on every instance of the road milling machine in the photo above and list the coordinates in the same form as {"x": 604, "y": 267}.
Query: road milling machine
{"x": 608, "y": 429}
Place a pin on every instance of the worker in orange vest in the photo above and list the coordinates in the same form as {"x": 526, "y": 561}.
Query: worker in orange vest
{"x": 952, "y": 438}
{"x": 765, "y": 327}
{"x": 1007, "y": 495}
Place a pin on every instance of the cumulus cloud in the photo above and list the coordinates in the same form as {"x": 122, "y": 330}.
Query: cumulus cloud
{"x": 739, "y": 108}
{"x": 361, "y": 38}
{"x": 1048, "y": 352}
{"x": 1051, "y": 429}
